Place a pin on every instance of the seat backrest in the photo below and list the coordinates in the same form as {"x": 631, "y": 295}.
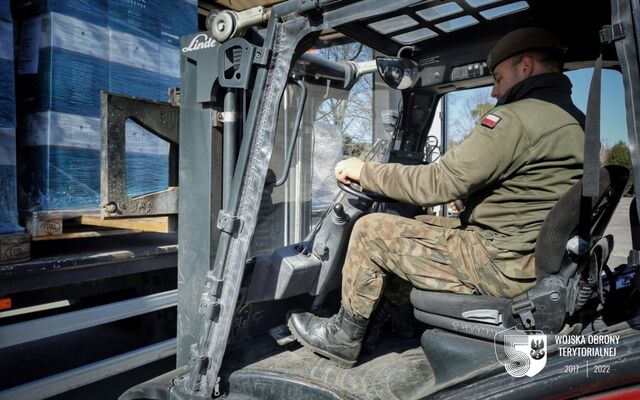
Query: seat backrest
{"x": 562, "y": 222}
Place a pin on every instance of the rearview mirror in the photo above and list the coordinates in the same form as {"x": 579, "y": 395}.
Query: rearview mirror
{"x": 398, "y": 73}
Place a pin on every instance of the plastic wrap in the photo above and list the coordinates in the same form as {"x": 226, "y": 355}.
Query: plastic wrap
{"x": 68, "y": 55}
{"x": 133, "y": 51}
{"x": 327, "y": 137}
{"x": 66, "y": 82}
{"x": 92, "y": 11}
{"x": 140, "y": 83}
{"x": 139, "y": 68}
{"x": 8, "y": 190}
{"x": 139, "y": 140}
{"x": 66, "y": 178}
{"x": 60, "y": 129}
{"x": 147, "y": 163}
{"x": 7, "y": 84}
{"x": 61, "y": 168}
{"x": 63, "y": 65}
{"x": 169, "y": 61}
{"x": 55, "y": 177}
{"x": 74, "y": 34}
{"x": 7, "y": 95}
{"x": 177, "y": 20}
{"x": 5, "y": 11}
{"x": 136, "y": 17}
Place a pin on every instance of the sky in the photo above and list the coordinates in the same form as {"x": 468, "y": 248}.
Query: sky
{"x": 613, "y": 124}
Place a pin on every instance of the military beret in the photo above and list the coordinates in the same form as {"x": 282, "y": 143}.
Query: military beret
{"x": 521, "y": 40}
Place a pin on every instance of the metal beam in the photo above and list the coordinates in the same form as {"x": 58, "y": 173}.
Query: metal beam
{"x": 159, "y": 118}
{"x": 72, "y": 379}
{"x": 28, "y": 331}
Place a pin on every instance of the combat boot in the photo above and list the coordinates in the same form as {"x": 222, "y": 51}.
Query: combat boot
{"x": 338, "y": 338}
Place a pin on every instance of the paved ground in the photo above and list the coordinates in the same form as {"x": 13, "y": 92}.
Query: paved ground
{"x": 619, "y": 228}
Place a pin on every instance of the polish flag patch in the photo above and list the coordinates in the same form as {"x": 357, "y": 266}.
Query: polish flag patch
{"x": 490, "y": 121}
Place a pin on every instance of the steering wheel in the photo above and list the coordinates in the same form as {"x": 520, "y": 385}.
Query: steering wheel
{"x": 357, "y": 191}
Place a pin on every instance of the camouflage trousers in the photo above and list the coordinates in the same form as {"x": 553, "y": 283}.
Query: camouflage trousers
{"x": 432, "y": 254}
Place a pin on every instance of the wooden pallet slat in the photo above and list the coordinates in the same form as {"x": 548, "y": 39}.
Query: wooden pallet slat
{"x": 87, "y": 234}
{"x": 164, "y": 224}
{"x": 75, "y": 224}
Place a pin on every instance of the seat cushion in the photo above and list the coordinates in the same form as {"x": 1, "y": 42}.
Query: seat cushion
{"x": 460, "y": 306}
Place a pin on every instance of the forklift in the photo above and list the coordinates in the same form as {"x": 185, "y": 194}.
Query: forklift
{"x": 255, "y": 244}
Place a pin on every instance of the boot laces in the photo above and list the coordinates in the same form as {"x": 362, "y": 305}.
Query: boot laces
{"x": 331, "y": 324}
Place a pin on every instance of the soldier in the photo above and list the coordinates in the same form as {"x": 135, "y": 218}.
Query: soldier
{"x": 517, "y": 162}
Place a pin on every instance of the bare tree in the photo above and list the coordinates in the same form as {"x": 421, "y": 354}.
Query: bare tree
{"x": 353, "y": 114}
{"x": 605, "y": 149}
{"x": 465, "y": 113}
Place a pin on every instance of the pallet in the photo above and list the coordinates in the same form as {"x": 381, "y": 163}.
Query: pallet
{"x": 86, "y": 234}
{"x": 164, "y": 224}
{"x": 15, "y": 248}
{"x": 51, "y": 223}
{"x": 44, "y": 224}
{"x": 75, "y": 224}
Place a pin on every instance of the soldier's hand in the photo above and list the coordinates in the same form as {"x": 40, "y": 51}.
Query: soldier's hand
{"x": 348, "y": 170}
{"x": 457, "y": 206}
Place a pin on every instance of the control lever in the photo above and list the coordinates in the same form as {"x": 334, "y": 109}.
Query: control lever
{"x": 340, "y": 217}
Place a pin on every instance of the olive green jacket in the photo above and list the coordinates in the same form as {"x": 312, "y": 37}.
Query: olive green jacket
{"x": 511, "y": 176}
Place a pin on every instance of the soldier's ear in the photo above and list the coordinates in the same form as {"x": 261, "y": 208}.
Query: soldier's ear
{"x": 527, "y": 64}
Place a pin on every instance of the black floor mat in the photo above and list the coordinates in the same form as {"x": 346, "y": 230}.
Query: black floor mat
{"x": 397, "y": 369}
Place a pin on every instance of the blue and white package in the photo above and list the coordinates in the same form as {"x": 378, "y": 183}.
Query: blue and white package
{"x": 139, "y": 140}
{"x": 91, "y": 11}
{"x": 6, "y": 40}
{"x": 7, "y": 82}
{"x": 5, "y": 11}
{"x": 62, "y": 161}
{"x": 8, "y": 188}
{"x": 179, "y": 19}
{"x": 73, "y": 34}
{"x": 169, "y": 60}
{"x": 60, "y": 129}
{"x": 62, "y": 65}
{"x": 140, "y": 83}
{"x": 136, "y": 17}
{"x": 81, "y": 132}
{"x": 133, "y": 51}
{"x": 66, "y": 57}
{"x": 66, "y": 82}
{"x": 7, "y": 95}
{"x": 147, "y": 162}
{"x": 60, "y": 166}
{"x": 59, "y": 178}
{"x": 62, "y": 32}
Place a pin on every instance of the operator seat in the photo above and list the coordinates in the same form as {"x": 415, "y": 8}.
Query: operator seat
{"x": 465, "y": 326}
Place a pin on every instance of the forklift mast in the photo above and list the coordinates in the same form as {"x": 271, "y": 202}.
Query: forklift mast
{"x": 225, "y": 135}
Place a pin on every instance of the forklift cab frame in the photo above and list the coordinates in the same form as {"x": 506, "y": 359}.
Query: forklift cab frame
{"x": 231, "y": 295}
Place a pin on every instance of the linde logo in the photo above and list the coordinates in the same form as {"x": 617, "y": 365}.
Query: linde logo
{"x": 202, "y": 41}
